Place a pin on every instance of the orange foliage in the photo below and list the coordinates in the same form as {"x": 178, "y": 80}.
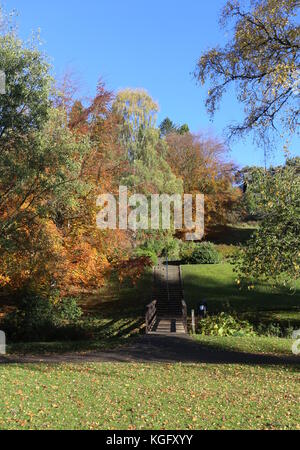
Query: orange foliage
{"x": 70, "y": 251}
{"x": 133, "y": 268}
{"x": 199, "y": 162}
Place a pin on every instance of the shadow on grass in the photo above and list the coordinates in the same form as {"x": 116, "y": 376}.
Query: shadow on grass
{"x": 165, "y": 349}
{"x": 111, "y": 316}
{"x": 222, "y": 295}
{"x": 230, "y": 235}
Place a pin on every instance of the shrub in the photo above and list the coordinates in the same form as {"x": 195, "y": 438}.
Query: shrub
{"x": 204, "y": 253}
{"x": 232, "y": 324}
{"x": 274, "y": 330}
{"x": 225, "y": 324}
{"x": 227, "y": 251}
{"x": 186, "y": 250}
{"x": 156, "y": 247}
{"x": 68, "y": 310}
{"x": 148, "y": 252}
{"x": 43, "y": 318}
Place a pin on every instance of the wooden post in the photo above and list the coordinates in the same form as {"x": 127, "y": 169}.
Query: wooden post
{"x": 193, "y": 322}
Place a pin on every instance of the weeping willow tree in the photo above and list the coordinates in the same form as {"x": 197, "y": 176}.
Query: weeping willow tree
{"x": 150, "y": 172}
{"x": 138, "y": 111}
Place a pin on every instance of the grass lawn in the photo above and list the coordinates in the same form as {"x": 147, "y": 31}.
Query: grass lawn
{"x": 216, "y": 283}
{"x": 262, "y": 345}
{"x": 143, "y": 396}
{"x": 160, "y": 396}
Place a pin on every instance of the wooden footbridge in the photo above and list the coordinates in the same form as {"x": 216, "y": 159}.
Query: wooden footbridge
{"x": 167, "y": 314}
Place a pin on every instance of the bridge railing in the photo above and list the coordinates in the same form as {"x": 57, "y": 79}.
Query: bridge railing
{"x": 184, "y": 316}
{"x": 184, "y": 306}
{"x": 181, "y": 282}
{"x": 151, "y": 314}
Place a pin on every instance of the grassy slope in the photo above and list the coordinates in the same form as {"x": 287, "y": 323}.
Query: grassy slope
{"x": 231, "y": 234}
{"x": 216, "y": 283}
{"x": 143, "y": 396}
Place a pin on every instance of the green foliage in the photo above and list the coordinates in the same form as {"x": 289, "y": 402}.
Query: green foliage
{"x": 227, "y": 251}
{"x": 233, "y": 324}
{"x": 41, "y": 318}
{"x": 186, "y": 250}
{"x": 149, "y": 169}
{"x": 203, "y": 253}
{"x": 25, "y": 104}
{"x": 68, "y": 310}
{"x": 274, "y": 329}
{"x": 142, "y": 251}
{"x": 273, "y": 252}
{"x": 249, "y": 202}
{"x": 160, "y": 244}
{"x": 167, "y": 127}
{"x": 138, "y": 111}
{"x": 224, "y": 324}
{"x": 183, "y": 129}
{"x": 171, "y": 247}
{"x": 40, "y": 159}
{"x": 146, "y": 151}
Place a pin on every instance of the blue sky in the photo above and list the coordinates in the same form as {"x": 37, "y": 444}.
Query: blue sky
{"x": 138, "y": 43}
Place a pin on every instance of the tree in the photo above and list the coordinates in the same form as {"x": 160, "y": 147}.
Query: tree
{"x": 138, "y": 111}
{"x": 24, "y": 106}
{"x": 167, "y": 127}
{"x": 183, "y": 129}
{"x": 245, "y": 178}
{"x": 262, "y": 60}
{"x": 56, "y": 157}
{"x": 199, "y": 162}
{"x": 44, "y": 189}
{"x": 273, "y": 252}
{"x": 149, "y": 172}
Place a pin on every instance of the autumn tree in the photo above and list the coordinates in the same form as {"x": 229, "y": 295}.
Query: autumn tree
{"x": 201, "y": 164}
{"x": 262, "y": 60}
{"x": 46, "y": 182}
{"x": 93, "y": 253}
{"x": 56, "y": 156}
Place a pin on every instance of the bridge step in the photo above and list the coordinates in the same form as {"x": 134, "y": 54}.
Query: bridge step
{"x": 166, "y": 326}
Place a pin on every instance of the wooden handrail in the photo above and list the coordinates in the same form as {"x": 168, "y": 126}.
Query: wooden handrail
{"x": 184, "y": 307}
{"x": 181, "y": 282}
{"x": 184, "y": 315}
{"x": 150, "y": 315}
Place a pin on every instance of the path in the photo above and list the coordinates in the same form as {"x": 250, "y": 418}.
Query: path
{"x": 160, "y": 349}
